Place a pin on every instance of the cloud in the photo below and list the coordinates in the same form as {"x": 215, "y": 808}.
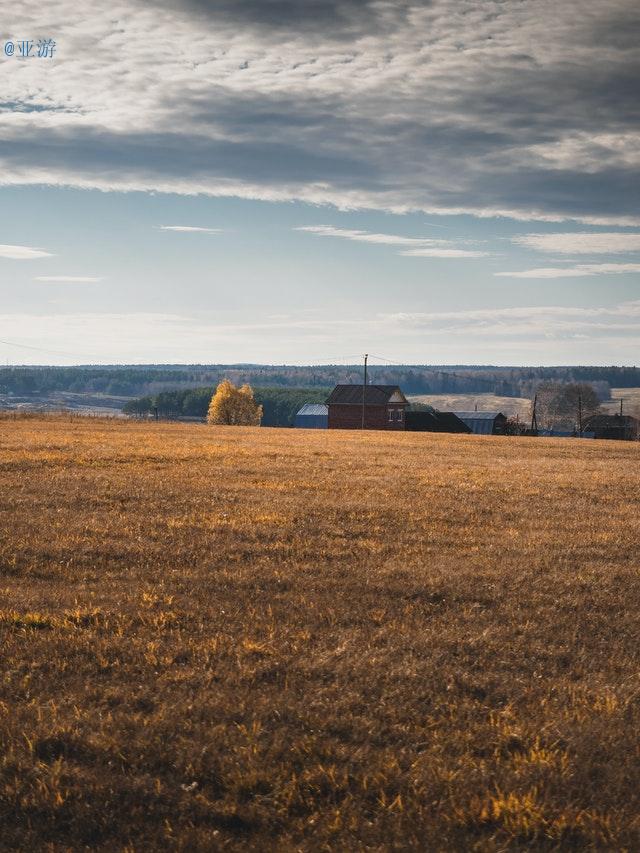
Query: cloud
{"x": 422, "y": 247}
{"x": 71, "y": 279}
{"x": 445, "y": 253}
{"x": 486, "y": 108}
{"x": 197, "y": 228}
{"x": 573, "y": 272}
{"x": 619, "y": 322}
{"x": 580, "y": 243}
{"x": 511, "y": 334}
{"x": 22, "y": 253}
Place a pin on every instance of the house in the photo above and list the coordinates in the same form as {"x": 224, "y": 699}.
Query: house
{"x": 484, "y": 423}
{"x": 382, "y": 406}
{"x": 621, "y": 427}
{"x": 434, "y": 422}
{"x": 312, "y": 416}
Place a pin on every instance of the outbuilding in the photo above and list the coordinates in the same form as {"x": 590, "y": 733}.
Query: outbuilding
{"x": 435, "y": 422}
{"x": 484, "y": 423}
{"x": 620, "y": 427}
{"x": 312, "y": 416}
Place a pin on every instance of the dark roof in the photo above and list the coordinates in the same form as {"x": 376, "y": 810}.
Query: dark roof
{"x": 434, "y": 422}
{"x": 478, "y": 416}
{"x": 608, "y": 421}
{"x": 375, "y": 395}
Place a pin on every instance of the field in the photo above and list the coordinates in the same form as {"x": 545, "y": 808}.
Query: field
{"x": 509, "y": 406}
{"x": 253, "y": 639}
{"x": 630, "y": 398}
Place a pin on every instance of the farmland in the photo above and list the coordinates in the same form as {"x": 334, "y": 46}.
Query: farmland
{"x": 256, "y": 639}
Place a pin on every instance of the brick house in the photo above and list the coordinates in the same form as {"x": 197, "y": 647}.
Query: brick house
{"x": 384, "y": 407}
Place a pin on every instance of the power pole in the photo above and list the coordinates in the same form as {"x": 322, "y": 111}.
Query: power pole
{"x": 580, "y": 415}
{"x": 534, "y": 418}
{"x": 364, "y": 386}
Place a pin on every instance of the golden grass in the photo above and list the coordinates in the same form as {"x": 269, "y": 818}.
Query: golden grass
{"x": 250, "y": 639}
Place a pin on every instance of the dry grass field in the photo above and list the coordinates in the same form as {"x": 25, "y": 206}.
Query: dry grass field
{"x": 250, "y": 639}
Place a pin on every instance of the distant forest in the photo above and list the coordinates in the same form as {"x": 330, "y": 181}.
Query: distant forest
{"x": 142, "y": 380}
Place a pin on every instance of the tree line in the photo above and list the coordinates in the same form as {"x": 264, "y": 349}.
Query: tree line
{"x": 279, "y": 405}
{"x": 144, "y": 380}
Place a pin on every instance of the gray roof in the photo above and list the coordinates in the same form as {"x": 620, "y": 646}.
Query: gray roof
{"x": 313, "y": 409}
{"x": 351, "y": 395}
{"x": 478, "y": 416}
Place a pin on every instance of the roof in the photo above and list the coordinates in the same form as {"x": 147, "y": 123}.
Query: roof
{"x": 313, "y": 409}
{"x": 611, "y": 421}
{"x": 481, "y": 423}
{"x": 434, "y": 422}
{"x": 478, "y": 416}
{"x": 375, "y": 395}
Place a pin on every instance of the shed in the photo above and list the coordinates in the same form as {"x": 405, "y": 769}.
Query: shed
{"x": 312, "y": 416}
{"x": 384, "y": 407}
{"x": 620, "y": 427}
{"x": 435, "y": 422}
{"x": 484, "y": 423}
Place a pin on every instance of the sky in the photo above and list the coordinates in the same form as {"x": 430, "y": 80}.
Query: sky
{"x": 278, "y": 181}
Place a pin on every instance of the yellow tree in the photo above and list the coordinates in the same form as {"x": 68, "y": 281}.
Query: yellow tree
{"x": 234, "y": 406}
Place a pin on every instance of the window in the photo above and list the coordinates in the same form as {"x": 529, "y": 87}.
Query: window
{"x": 390, "y": 415}
{"x": 400, "y": 414}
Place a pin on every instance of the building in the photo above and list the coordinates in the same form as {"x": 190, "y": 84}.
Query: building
{"x": 312, "y": 416}
{"x": 435, "y": 422}
{"x": 620, "y": 427}
{"x": 484, "y": 423}
{"x": 384, "y": 407}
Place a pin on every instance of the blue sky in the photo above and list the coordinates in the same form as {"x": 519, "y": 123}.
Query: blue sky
{"x": 287, "y": 182}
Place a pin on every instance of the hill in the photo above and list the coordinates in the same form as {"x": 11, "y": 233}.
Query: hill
{"x": 255, "y": 639}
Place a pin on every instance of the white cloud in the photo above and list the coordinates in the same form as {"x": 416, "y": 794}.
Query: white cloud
{"x": 580, "y": 243}
{"x": 71, "y": 279}
{"x": 573, "y": 272}
{"x": 465, "y": 336}
{"x": 196, "y": 228}
{"x": 423, "y": 247}
{"x": 22, "y": 253}
{"x": 444, "y": 253}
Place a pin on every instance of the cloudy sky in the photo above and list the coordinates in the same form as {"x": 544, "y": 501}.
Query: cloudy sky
{"x": 303, "y": 181}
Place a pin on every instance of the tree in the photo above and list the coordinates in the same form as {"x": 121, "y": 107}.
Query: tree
{"x": 560, "y": 406}
{"x": 234, "y": 406}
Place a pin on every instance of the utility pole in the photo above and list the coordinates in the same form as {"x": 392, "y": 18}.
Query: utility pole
{"x": 621, "y": 400}
{"x": 534, "y": 418}
{"x": 580, "y": 415}
{"x": 364, "y": 386}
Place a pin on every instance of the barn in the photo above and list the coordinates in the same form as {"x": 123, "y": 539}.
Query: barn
{"x": 620, "y": 427}
{"x": 435, "y": 422}
{"x": 484, "y": 423}
{"x": 312, "y": 416}
{"x": 380, "y": 406}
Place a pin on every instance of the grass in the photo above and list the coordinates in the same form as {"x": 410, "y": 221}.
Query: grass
{"x": 252, "y": 639}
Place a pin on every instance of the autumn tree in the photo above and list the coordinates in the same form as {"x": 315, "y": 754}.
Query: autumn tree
{"x": 234, "y": 406}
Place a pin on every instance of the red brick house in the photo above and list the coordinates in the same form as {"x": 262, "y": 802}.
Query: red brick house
{"x": 384, "y": 407}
